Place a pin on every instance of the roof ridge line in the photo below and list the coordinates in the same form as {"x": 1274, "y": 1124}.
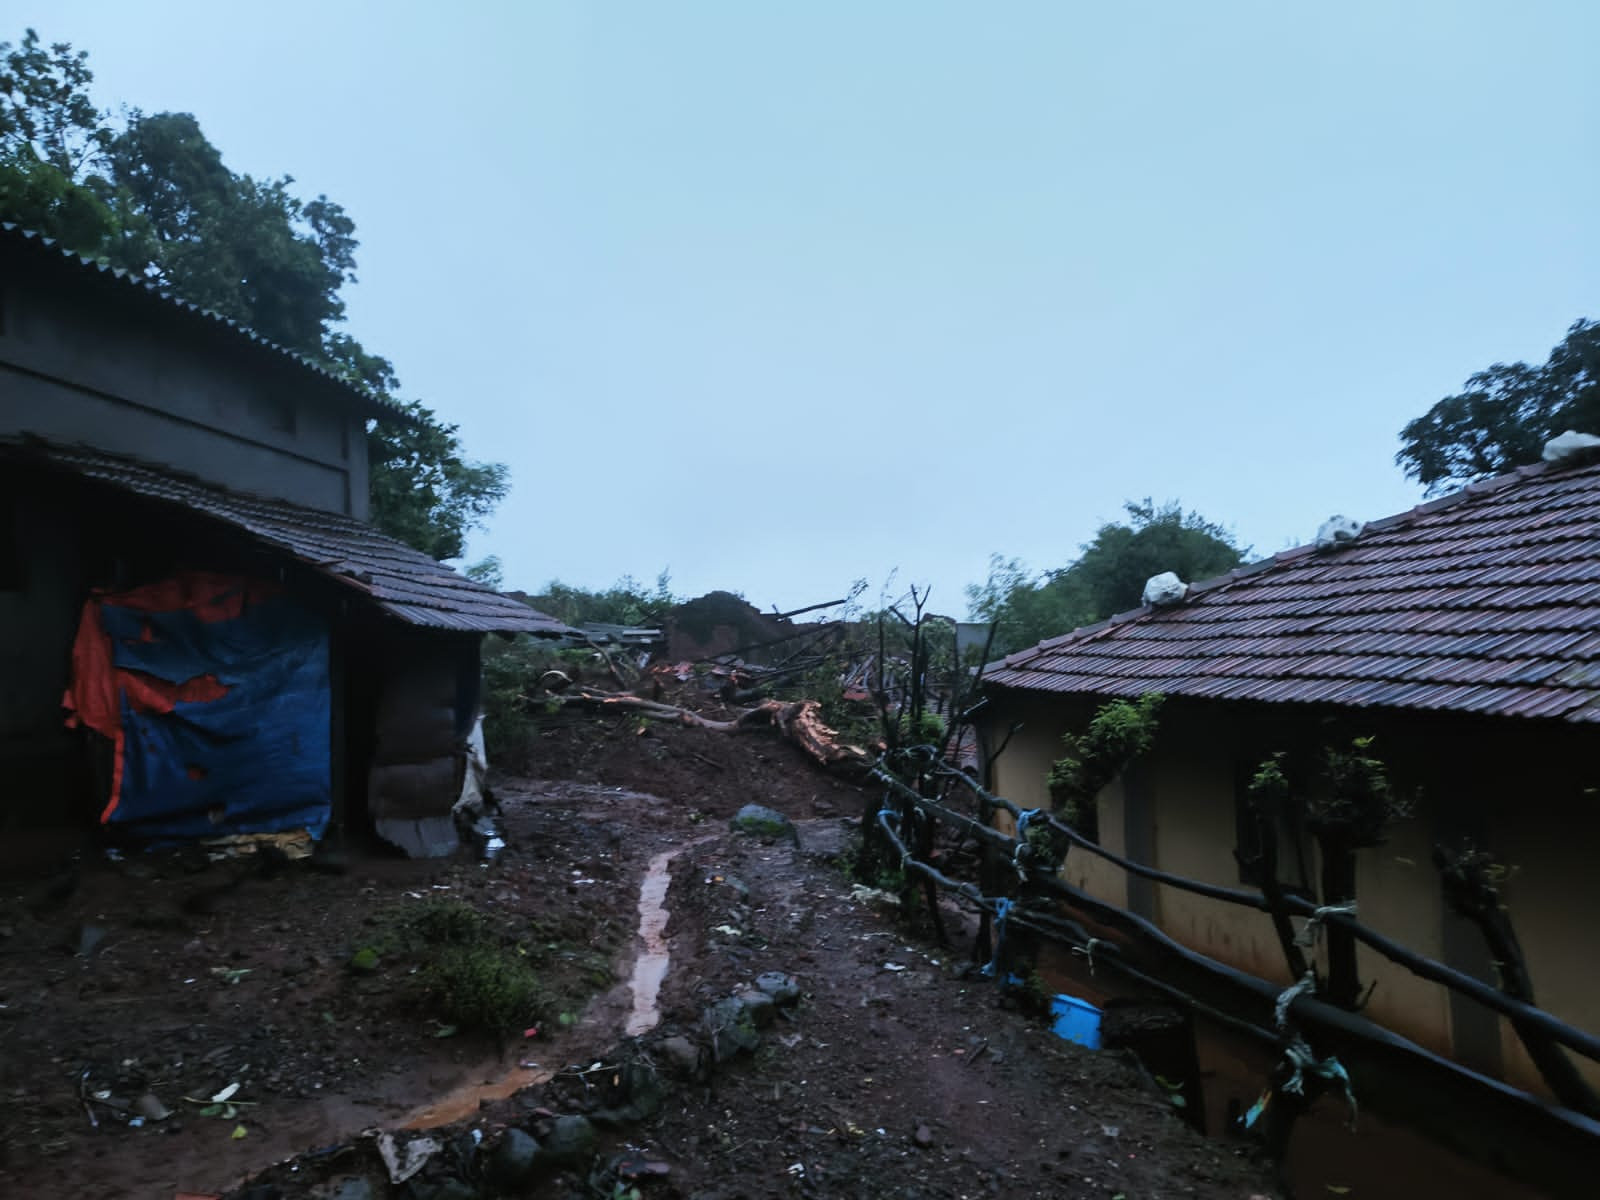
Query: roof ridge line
{"x": 1476, "y": 490}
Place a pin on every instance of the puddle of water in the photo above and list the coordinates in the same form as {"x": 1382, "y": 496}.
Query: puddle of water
{"x": 465, "y": 1101}
{"x": 650, "y": 968}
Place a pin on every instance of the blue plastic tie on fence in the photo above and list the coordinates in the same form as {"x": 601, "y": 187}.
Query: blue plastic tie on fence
{"x": 1002, "y": 907}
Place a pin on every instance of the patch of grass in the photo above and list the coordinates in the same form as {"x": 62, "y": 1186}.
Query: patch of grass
{"x": 483, "y": 986}
{"x": 468, "y": 974}
{"x": 861, "y": 866}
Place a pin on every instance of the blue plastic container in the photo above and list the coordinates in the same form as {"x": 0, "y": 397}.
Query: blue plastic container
{"x": 1076, "y": 1021}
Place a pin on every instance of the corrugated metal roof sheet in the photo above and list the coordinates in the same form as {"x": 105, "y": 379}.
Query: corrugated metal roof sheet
{"x": 1486, "y": 601}
{"x": 403, "y": 582}
{"x": 50, "y": 252}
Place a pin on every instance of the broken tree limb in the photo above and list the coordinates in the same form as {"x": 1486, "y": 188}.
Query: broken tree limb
{"x": 800, "y": 721}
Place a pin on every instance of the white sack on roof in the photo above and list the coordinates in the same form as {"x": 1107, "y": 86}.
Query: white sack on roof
{"x": 1337, "y": 530}
{"x": 1164, "y": 589}
{"x": 1569, "y": 443}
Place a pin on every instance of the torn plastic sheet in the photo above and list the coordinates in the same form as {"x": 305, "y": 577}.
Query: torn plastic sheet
{"x": 214, "y": 692}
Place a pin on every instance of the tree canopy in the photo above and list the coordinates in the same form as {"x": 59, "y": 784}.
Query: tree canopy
{"x": 1506, "y": 414}
{"x": 1107, "y": 577}
{"x": 149, "y": 193}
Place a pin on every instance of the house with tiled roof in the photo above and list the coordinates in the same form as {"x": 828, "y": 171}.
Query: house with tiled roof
{"x": 201, "y": 635}
{"x": 1463, "y": 638}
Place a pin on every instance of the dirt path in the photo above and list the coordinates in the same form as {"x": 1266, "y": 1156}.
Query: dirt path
{"x": 894, "y": 1075}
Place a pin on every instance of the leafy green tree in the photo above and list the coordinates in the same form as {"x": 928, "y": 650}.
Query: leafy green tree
{"x": 1108, "y": 577}
{"x": 626, "y": 602}
{"x": 1506, "y": 414}
{"x": 423, "y": 491}
{"x": 154, "y": 196}
{"x": 52, "y": 138}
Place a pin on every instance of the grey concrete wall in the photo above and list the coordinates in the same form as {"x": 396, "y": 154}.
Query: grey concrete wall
{"x": 84, "y": 369}
{"x": 38, "y": 618}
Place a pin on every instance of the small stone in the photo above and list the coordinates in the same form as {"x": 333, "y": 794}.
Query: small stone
{"x": 763, "y": 822}
{"x": 682, "y": 1055}
{"x": 731, "y": 1029}
{"x": 923, "y": 1137}
{"x": 569, "y": 1140}
{"x": 513, "y": 1159}
{"x": 784, "y": 989}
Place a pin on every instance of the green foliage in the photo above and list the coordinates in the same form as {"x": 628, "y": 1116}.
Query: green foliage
{"x": 1118, "y": 733}
{"x": 469, "y": 975}
{"x": 155, "y": 197}
{"x": 480, "y": 986}
{"x": 424, "y": 491}
{"x": 1360, "y": 801}
{"x": 626, "y": 602}
{"x": 863, "y": 864}
{"x": 511, "y": 672}
{"x": 1269, "y": 787}
{"x": 927, "y": 730}
{"x": 1506, "y": 414}
{"x": 1108, "y": 577}
{"x": 486, "y": 571}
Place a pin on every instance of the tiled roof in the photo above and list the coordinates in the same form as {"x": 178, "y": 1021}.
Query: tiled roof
{"x": 401, "y": 581}
{"x": 55, "y": 256}
{"x": 1485, "y": 601}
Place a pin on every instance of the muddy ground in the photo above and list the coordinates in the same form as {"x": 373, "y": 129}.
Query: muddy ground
{"x": 897, "y": 1073}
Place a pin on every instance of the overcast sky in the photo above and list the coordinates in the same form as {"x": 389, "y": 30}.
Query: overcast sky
{"x": 780, "y": 295}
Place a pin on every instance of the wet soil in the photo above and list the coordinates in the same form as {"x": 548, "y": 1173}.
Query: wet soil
{"x": 899, "y": 1073}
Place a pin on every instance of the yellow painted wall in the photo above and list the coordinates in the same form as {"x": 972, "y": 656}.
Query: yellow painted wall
{"x": 1533, "y": 781}
{"x": 1398, "y": 894}
{"x": 1195, "y": 837}
{"x": 1020, "y": 774}
{"x": 1553, "y": 897}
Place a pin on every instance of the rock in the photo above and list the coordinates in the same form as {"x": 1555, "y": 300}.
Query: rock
{"x": 923, "y": 1136}
{"x": 644, "y": 1087}
{"x": 355, "y": 1189}
{"x": 730, "y": 1028}
{"x": 763, "y": 822}
{"x": 761, "y": 1007}
{"x": 784, "y": 989}
{"x": 682, "y": 1055}
{"x": 570, "y": 1140}
{"x": 824, "y": 839}
{"x": 513, "y": 1159}
{"x": 149, "y": 1107}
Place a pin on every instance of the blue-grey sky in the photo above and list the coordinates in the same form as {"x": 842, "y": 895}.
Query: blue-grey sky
{"x": 781, "y": 295}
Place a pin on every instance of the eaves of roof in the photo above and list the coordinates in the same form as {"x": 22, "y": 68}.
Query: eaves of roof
{"x": 398, "y": 580}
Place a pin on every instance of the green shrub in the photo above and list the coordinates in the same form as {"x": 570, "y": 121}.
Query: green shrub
{"x": 482, "y": 985}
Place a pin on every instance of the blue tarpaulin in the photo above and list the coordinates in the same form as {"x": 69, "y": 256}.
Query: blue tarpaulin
{"x": 223, "y": 708}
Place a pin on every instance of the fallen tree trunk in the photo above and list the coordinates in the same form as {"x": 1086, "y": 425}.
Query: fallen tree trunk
{"x": 800, "y": 721}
